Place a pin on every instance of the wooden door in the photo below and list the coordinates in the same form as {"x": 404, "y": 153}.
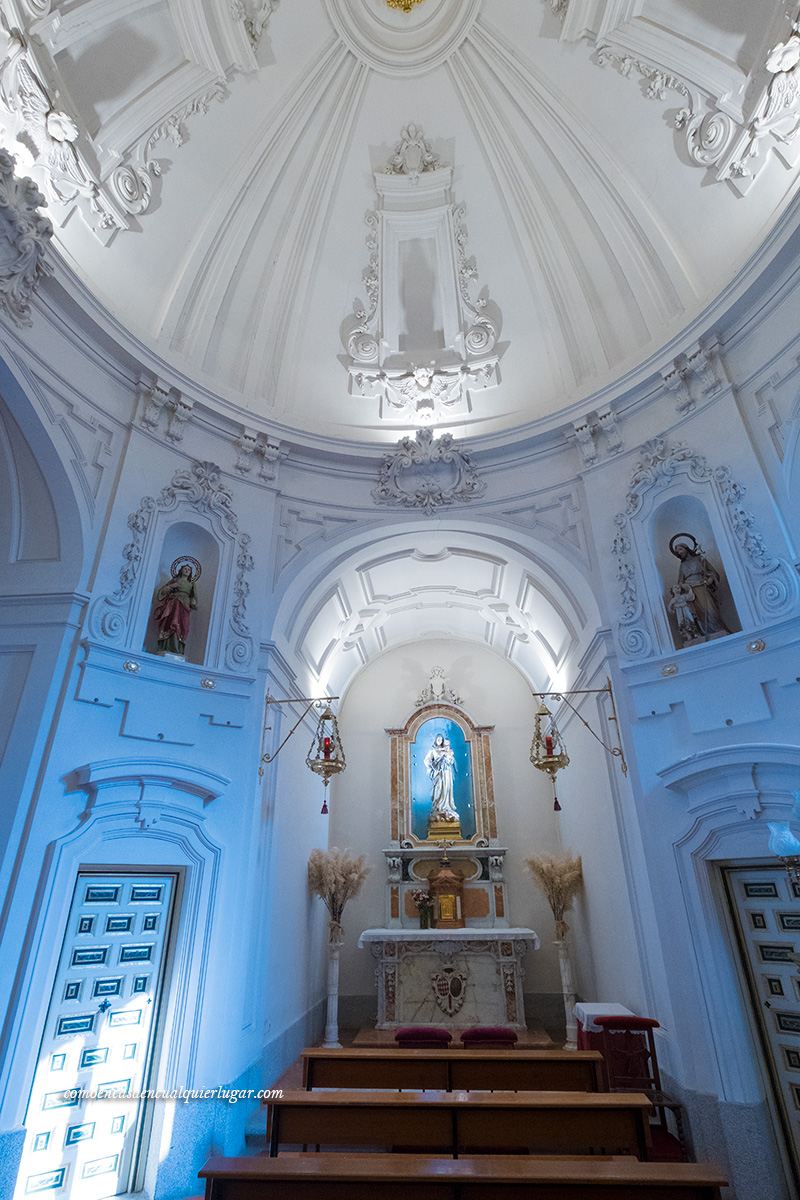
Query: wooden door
{"x": 765, "y": 907}
{"x": 98, "y": 1038}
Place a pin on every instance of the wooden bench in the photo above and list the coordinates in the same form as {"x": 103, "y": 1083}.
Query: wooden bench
{"x": 456, "y": 1123}
{"x": 459, "y": 1071}
{"x": 417, "y": 1177}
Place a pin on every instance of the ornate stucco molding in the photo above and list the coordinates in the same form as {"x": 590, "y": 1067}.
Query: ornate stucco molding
{"x": 437, "y": 690}
{"x": 25, "y": 234}
{"x": 715, "y": 135}
{"x": 773, "y": 583}
{"x": 108, "y": 175}
{"x": 255, "y": 16}
{"x": 427, "y": 472}
{"x": 202, "y": 488}
{"x": 388, "y": 362}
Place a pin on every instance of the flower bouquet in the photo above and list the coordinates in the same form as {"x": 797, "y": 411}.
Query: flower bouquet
{"x": 424, "y": 902}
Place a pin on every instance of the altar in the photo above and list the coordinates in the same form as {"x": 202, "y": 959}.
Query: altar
{"x": 446, "y": 954}
{"x": 449, "y": 977}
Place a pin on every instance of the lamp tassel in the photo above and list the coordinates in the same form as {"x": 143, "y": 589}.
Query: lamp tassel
{"x": 324, "y": 809}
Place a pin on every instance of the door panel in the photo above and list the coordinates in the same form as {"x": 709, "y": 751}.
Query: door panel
{"x": 98, "y": 1038}
{"x": 765, "y": 907}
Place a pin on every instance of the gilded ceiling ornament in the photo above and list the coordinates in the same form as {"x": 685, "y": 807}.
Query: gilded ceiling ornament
{"x": 406, "y": 5}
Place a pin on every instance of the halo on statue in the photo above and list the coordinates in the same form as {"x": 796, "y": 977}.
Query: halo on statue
{"x": 186, "y": 560}
{"x": 694, "y": 548}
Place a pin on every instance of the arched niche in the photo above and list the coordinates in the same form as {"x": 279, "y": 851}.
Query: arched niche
{"x": 188, "y": 538}
{"x": 687, "y": 514}
{"x": 41, "y": 540}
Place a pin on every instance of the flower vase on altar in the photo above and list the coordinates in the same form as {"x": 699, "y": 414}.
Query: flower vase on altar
{"x": 424, "y": 903}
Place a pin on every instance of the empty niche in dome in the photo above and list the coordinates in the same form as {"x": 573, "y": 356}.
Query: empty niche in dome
{"x": 697, "y": 598}
{"x": 185, "y": 545}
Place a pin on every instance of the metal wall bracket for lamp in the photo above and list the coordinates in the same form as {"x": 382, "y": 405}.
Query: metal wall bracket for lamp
{"x": 548, "y": 752}
{"x": 326, "y": 755}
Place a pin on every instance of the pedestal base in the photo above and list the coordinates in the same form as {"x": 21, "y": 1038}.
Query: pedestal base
{"x": 415, "y": 969}
{"x": 443, "y": 831}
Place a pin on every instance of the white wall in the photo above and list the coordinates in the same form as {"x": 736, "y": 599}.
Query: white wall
{"x": 493, "y": 693}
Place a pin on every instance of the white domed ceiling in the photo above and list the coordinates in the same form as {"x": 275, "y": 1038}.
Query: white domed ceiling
{"x": 554, "y": 189}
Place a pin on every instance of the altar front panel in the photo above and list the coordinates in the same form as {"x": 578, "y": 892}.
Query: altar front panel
{"x": 450, "y": 978}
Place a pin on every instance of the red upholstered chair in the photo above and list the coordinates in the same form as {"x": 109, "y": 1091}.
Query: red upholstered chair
{"x": 489, "y": 1037}
{"x": 423, "y": 1038}
{"x": 631, "y": 1063}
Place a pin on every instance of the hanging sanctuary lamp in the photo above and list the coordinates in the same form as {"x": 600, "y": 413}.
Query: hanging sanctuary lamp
{"x": 548, "y": 752}
{"x": 326, "y": 755}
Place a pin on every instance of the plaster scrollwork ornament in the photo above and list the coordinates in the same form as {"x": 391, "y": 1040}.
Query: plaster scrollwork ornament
{"x": 50, "y": 134}
{"x": 387, "y": 362}
{"x": 132, "y": 182}
{"x": 693, "y": 376}
{"x": 427, "y": 472}
{"x": 437, "y": 690}
{"x": 634, "y": 636}
{"x": 255, "y": 14}
{"x": 24, "y": 234}
{"x": 412, "y": 154}
{"x": 777, "y": 111}
{"x": 774, "y": 585}
{"x": 239, "y": 650}
{"x": 180, "y": 410}
{"x": 201, "y": 487}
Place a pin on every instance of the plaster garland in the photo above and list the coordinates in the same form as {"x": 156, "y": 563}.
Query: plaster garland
{"x": 26, "y": 234}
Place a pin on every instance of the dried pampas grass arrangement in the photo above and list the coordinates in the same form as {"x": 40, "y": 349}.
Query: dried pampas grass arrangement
{"x": 337, "y": 877}
{"x": 560, "y": 879}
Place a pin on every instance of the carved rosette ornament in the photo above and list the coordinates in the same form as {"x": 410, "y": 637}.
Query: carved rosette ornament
{"x": 25, "y": 235}
{"x": 427, "y": 472}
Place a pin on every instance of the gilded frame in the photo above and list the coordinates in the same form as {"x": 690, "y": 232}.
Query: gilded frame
{"x": 404, "y": 740}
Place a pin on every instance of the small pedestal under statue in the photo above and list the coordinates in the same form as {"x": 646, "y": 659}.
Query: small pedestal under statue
{"x": 447, "y": 888}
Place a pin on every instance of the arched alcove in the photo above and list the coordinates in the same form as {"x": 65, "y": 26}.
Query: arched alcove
{"x": 687, "y": 514}
{"x": 41, "y": 540}
{"x": 495, "y": 694}
{"x": 186, "y": 538}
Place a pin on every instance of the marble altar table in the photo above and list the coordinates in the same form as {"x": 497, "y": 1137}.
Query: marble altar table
{"x": 453, "y": 978}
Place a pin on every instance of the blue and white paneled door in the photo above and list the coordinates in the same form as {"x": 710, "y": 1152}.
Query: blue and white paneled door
{"x": 765, "y": 906}
{"x": 99, "y": 1037}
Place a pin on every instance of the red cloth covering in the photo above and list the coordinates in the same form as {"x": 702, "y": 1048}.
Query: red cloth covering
{"x": 423, "y": 1037}
{"x": 493, "y": 1037}
{"x": 627, "y": 1022}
